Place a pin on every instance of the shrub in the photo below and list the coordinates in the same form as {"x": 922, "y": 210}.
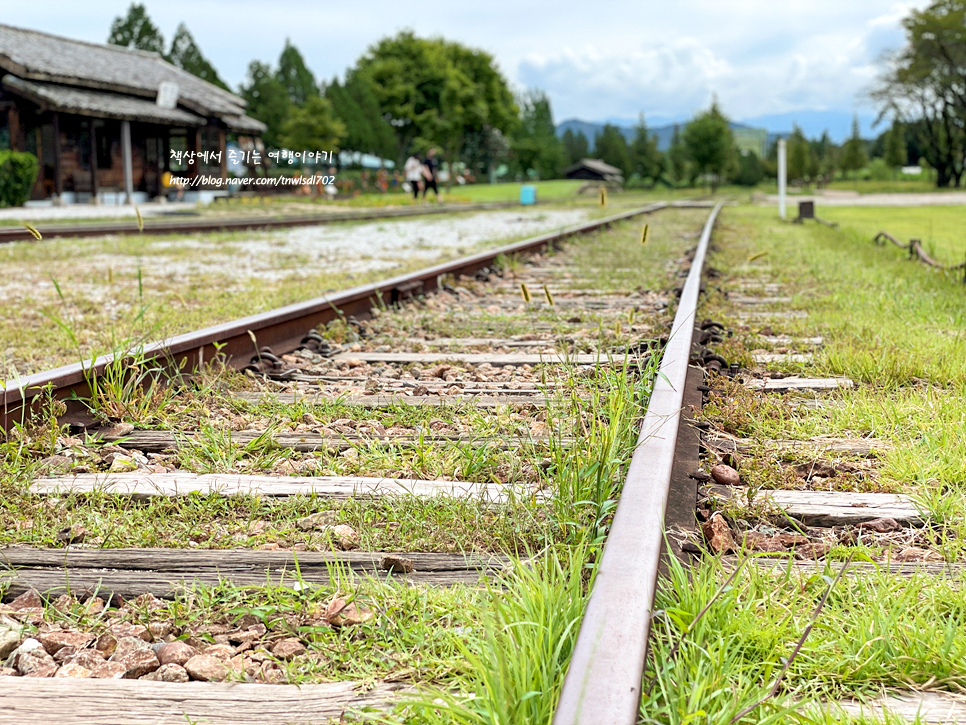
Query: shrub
{"x": 879, "y": 170}
{"x": 18, "y": 172}
{"x": 750, "y": 170}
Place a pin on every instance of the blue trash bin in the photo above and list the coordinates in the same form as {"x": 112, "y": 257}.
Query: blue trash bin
{"x": 528, "y": 194}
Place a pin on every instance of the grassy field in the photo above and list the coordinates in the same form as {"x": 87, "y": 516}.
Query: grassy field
{"x": 898, "y": 329}
{"x": 941, "y": 229}
{"x": 864, "y": 186}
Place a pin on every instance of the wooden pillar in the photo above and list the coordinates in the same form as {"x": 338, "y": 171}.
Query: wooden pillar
{"x": 16, "y": 135}
{"x": 93, "y": 162}
{"x": 126, "y": 156}
{"x": 58, "y": 181}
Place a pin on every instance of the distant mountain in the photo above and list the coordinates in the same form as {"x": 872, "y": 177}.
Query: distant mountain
{"x": 747, "y": 137}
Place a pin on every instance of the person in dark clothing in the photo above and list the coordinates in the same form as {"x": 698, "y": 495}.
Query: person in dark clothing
{"x": 430, "y": 165}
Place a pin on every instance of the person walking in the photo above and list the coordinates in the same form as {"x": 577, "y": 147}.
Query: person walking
{"x": 430, "y": 165}
{"x": 414, "y": 174}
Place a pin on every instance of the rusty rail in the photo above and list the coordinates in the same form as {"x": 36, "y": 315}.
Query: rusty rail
{"x": 282, "y": 329}
{"x": 603, "y": 682}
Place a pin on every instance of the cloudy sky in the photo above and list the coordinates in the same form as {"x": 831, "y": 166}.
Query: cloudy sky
{"x": 770, "y": 62}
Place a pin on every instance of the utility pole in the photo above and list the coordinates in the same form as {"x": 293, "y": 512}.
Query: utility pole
{"x": 782, "y": 176}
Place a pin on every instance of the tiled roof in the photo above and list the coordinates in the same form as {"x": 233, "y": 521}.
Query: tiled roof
{"x": 100, "y": 104}
{"x": 33, "y": 56}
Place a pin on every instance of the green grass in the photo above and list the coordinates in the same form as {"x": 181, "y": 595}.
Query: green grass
{"x": 895, "y": 326}
{"x": 876, "y": 630}
{"x": 516, "y": 672}
{"x": 510, "y": 191}
{"x": 939, "y": 228}
{"x": 898, "y": 186}
{"x": 898, "y": 329}
{"x": 887, "y": 321}
{"x": 863, "y": 186}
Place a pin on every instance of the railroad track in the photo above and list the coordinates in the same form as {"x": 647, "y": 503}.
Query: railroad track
{"x": 359, "y": 428}
{"x": 306, "y": 482}
{"x": 467, "y": 388}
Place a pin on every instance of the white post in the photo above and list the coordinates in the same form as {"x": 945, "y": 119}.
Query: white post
{"x": 126, "y": 156}
{"x": 782, "y": 176}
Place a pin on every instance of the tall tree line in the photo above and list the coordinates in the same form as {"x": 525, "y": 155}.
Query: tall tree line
{"x": 407, "y": 93}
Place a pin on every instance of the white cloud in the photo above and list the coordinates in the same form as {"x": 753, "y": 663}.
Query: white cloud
{"x": 600, "y": 60}
{"x": 824, "y": 69}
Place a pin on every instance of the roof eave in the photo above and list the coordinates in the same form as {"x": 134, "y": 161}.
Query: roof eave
{"x": 47, "y": 105}
{"x": 10, "y": 66}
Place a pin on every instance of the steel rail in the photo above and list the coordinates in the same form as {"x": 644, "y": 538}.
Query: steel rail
{"x": 282, "y": 329}
{"x": 185, "y": 226}
{"x": 603, "y": 682}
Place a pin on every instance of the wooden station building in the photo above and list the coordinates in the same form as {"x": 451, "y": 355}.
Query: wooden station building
{"x": 103, "y": 119}
{"x": 594, "y": 170}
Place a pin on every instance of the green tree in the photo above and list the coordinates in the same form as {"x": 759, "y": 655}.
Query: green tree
{"x": 677, "y": 161}
{"x": 710, "y": 144}
{"x": 646, "y": 160}
{"x": 575, "y": 146}
{"x": 610, "y": 146}
{"x": 923, "y": 86}
{"x": 826, "y": 153}
{"x": 797, "y": 154}
{"x": 750, "y": 170}
{"x": 854, "y": 156}
{"x": 535, "y": 145}
{"x": 895, "y": 146}
{"x": 356, "y": 106}
{"x": 135, "y": 30}
{"x": 267, "y": 100}
{"x": 295, "y": 76}
{"x": 312, "y": 127}
{"x": 438, "y": 92}
{"x": 186, "y": 54}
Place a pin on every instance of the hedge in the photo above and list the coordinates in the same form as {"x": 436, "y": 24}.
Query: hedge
{"x": 18, "y": 172}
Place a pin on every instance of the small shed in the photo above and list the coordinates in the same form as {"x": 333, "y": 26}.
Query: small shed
{"x": 595, "y": 170}
{"x": 103, "y": 118}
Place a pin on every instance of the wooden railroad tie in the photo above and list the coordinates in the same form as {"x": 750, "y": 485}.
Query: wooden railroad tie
{"x": 782, "y": 385}
{"x": 166, "y": 573}
{"x": 149, "y": 485}
{"x": 479, "y": 358}
{"x": 769, "y": 358}
{"x": 161, "y": 441}
{"x": 843, "y": 508}
{"x": 748, "y": 300}
{"x": 101, "y": 702}
{"x": 789, "y": 340}
{"x": 860, "y": 447}
{"x": 389, "y": 400}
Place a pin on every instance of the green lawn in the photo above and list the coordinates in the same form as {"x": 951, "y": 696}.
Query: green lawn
{"x": 940, "y": 228}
